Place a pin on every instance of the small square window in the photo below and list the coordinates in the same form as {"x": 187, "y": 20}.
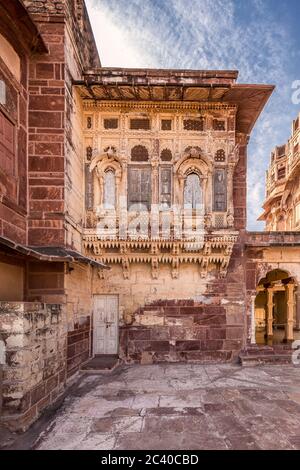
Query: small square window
{"x": 143, "y": 124}
{"x": 166, "y": 124}
{"x": 193, "y": 124}
{"x": 218, "y": 125}
{"x": 111, "y": 123}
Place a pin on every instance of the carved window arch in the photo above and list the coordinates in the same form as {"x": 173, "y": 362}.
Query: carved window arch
{"x": 220, "y": 155}
{"x": 109, "y": 195}
{"x": 166, "y": 155}
{"x": 139, "y": 153}
{"x": 193, "y": 196}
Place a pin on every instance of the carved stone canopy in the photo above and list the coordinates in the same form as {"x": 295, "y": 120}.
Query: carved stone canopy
{"x": 106, "y": 161}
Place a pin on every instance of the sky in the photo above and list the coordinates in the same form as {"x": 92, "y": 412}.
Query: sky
{"x": 260, "y": 38}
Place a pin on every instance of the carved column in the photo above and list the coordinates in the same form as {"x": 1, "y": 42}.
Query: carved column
{"x": 230, "y": 171}
{"x": 297, "y": 306}
{"x": 289, "y": 326}
{"x": 155, "y": 183}
{"x": 209, "y": 190}
{"x": 270, "y": 305}
{"x": 205, "y": 198}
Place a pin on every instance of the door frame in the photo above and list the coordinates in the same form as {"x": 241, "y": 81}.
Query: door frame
{"x": 117, "y": 322}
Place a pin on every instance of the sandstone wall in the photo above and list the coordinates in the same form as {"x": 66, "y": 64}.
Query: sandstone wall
{"x": 78, "y": 289}
{"x": 34, "y": 373}
{"x": 185, "y": 319}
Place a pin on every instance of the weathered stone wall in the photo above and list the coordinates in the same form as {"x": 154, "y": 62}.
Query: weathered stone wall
{"x": 78, "y": 289}
{"x": 185, "y": 319}
{"x": 54, "y": 120}
{"x": 13, "y": 140}
{"x": 35, "y": 370}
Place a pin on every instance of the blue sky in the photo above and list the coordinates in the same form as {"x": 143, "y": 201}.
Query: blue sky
{"x": 260, "y": 38}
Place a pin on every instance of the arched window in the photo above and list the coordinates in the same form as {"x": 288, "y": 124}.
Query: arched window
{"x": 109, "y": 198}
{"x": 166, "y": 155}
{"x": 139, "y": 153}
{"x": 192, "y": 191}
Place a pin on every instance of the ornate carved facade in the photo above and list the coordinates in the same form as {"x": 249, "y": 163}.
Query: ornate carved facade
{"x": 282, "y": 203}
{"x": 170, "y": 174}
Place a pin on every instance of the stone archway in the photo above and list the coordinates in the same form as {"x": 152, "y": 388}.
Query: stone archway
{"x": 275, "y": 308}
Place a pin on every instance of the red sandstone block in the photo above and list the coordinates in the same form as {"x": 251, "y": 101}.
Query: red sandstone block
{"x": 51, "y": 193}
{"x": 43, "y": 403}
{"x": 52, "y": 28}
{"x": 139, "y": 334}
{"x": 51, "y": 91}
{"x": 160, "y": 333}
{"x": 49, "y": 148}
{"x": 211, "y": 345}
{"x": 46, "y": 164}
{"x": 230, "y": 345}
{"x": 46, "y": 103}
{"x": 46, "y": 119}
{"x": 51, "y": 383}
{"x": 44, "y": 70}
{"x": 13, "y": 233}
{"x": 46, "y": 206}
{"x": 192, "y": 345}
{"x": 37, "y": 393}
{"x": 216, "y": 333}
{"x": 191, "y": 310}
{"x": 53, "y": 237}
{"x": 46, "y": 182}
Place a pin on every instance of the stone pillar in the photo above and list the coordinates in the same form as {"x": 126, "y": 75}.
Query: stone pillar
{"x": 252, "y": 329}
{"x": 155, "y": 183}
{"x": 289, "y": 326}
{"x": 297, "y": 299}
{"x": 270, "y": 306}
{"x": 230, "y": 171}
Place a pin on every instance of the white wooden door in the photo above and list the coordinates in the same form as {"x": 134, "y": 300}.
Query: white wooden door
{"x": 106, "y": 310}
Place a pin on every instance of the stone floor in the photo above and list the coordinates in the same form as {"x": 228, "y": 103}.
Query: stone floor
{"x": 180, "y": 407}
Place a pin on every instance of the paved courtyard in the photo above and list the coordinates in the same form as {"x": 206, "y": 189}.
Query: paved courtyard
{"x": 180, "y": 407}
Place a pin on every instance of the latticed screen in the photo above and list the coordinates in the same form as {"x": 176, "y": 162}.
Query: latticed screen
{"x": 143, "y": 124}
{"x": 220, "y": 191}
{"x": 166, "y": 124}
{"x": 139, "y": 153}
{"x": 193, "y": 124}
{"x": 281, "y": 173}
{"x": 89, "y": 153}
{"x": 139, "y": 189}
{"x": 220, "y": 156}
{"x": 218, "y": 125}
{"x": 165, "y": 187}
{"x": 166, "y": 155}
{"x": 281, "y": 151}
{"x": 111, "y": 123}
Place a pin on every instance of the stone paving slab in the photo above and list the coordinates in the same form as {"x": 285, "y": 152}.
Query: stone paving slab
{"x": 182, "y": 407}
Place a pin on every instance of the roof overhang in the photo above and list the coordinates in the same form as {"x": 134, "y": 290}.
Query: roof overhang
{"x": 21, "y": 26}
{"x": 161, "y": 85}
{"x": 47, "y": 253}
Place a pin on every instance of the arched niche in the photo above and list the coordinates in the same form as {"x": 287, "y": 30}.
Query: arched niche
{"x": 201, "y": 168}
{"x": 106, "y": 168}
